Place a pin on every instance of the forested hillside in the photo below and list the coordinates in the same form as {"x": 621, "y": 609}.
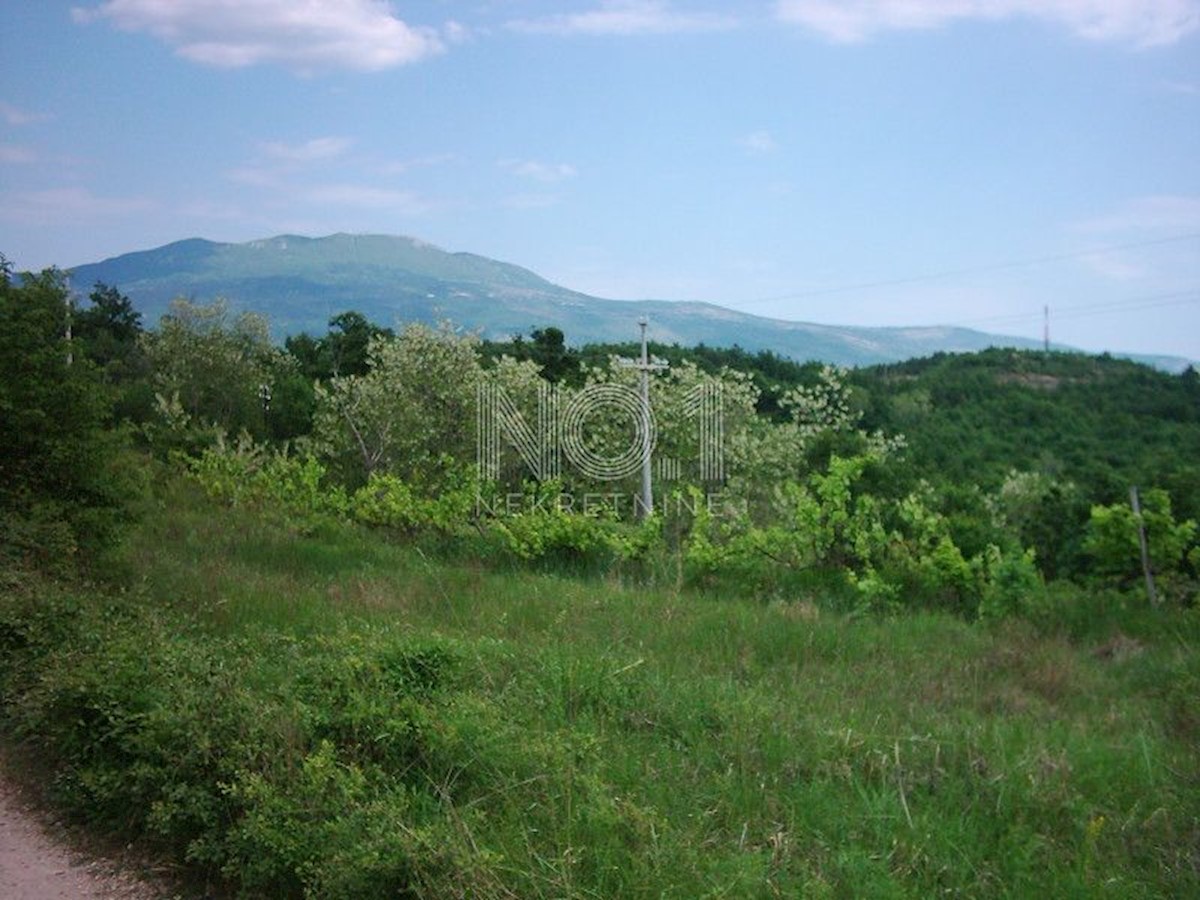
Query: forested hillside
{"x": 1093, "y": 420}
{"x": 973, "y": 417}
{"x": 1075, "y": 429}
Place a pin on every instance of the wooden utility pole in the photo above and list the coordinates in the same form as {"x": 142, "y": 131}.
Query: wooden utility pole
{"x": 1135, "y": 500}
{"x": 1046, "y": 329}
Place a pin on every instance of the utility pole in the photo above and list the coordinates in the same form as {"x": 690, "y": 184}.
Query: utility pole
{"x": 645, "y": 366}
{"x": 644, "y": 370}
{"x": 70, "y": 316}
{"x": 1046, "y": 329}
{"x": 1141, "y": 526}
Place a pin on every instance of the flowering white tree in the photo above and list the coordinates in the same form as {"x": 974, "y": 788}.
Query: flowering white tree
{"x": 211, "y": 365}
{"x": 413, "y": 409}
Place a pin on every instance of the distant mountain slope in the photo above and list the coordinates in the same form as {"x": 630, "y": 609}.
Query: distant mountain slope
{"x": 299, "y": 282}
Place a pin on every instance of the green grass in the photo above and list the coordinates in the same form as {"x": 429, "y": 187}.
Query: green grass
{"x": 333, "y": 714}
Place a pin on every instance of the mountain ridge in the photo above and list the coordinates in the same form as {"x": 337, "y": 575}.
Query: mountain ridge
{"x": 299, "y": 282}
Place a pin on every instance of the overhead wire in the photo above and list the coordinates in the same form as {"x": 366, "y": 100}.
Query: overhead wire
{"x": 1174, "y": 298}
{"x": 972, "y": 270}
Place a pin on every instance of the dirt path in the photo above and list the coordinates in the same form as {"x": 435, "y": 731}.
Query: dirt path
{"x": 37, "y": 862}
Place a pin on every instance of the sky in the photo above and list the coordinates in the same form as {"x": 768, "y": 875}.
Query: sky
{"x": 868, "y": 162}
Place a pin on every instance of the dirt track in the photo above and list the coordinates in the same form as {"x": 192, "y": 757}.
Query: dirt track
{"x": 37, "y": 862}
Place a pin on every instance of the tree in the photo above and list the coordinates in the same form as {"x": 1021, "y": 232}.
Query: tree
{"x": 110, "y": 328}
{"x": 59, "y": 493}
{"x": 343, "y": 351}
{"x": 219, "y": 370}
{"x": 1112, "y": 538}
{"x": 350, "y": 336}
{"x": 110, "y": 333}
{"x": 549, "y": 350}
{"x": 410, "y": 412}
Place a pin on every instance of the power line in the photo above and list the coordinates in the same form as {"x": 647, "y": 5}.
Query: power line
{"x": 1195, "y": 298}
{"x": 1151, "y": 301}
{"x": 973, "y": 270}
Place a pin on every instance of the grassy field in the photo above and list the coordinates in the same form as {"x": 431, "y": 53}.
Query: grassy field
{"x": 332, "y": 714}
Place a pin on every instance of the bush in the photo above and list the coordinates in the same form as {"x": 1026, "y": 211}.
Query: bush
{"x": 247, "y": 473}
{"x": 1112, "y": 539}
{"x": 1013, "y": 586}
{"x": 327, "y": 768}
{"x": 390, "y": 502}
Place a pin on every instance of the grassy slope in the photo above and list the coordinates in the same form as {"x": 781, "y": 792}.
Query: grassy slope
{"x": 585, "y": 739}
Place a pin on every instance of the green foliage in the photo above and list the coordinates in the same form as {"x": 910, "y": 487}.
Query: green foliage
{"x": 337, "y": 716}
{"x": 771, "y": 374}
{"x": 409, "y": 413}
{"x": 324, "y": 785}
{"x": 64, "y": 478}
{"x": 387, "y": 501}
{"x": 344, "y": 350}
{"x": 1112, "y": 539}
{"x": 289, "y": 702}
{"x": 246, "y": 473}
{"x": 109, "y": 328}
{"x": 218, "y": 372}
{"x": 1013, "y": 586}
{"x": 545, "y": 529}
{"x": 546, "y": 348}
{"x": 892, "y": 552}
{"x": 1098, "y": 423}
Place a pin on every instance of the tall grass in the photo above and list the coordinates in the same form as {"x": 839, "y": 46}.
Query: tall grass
{"x": 332, "y": 714}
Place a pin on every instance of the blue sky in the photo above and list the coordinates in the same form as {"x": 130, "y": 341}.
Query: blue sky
{"x": 879, "y": 162}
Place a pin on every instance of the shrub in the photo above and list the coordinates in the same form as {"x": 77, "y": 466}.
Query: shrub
{"x": 247, "y": 473}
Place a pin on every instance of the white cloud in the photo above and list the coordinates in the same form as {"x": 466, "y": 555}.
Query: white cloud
{"x": 278, "y": 160}
{"x": 1144, "y": 23}
{"x": 531, "y": 201}
{"x": 361, "y": 196}
{"x": 56, "y": 205}
{"x": 317, "y": 173}
{"x": 404, "y": 166}
{"x": 1153, "y": 237}
{"x": 626, "y": 17}
{"x": 1113, "y": 266}
{"x": 539, "y": 171}
{"x": 1160, "y": 212}
{"x": 256, "y": 176}
{"x": 303, "y": 35}
{"x": 758, "y": 143}
{"x": 14, "y": 115}
{"x": 16, "y": 154}
{"x": 312, "y": 150}
{"x": 215, "y": 210}
{"x": 456, "y": 32}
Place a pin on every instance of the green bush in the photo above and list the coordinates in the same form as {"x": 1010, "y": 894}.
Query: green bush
{"x": 1112, "y": 537}
{"x": 290, "y": 485}
{"x": 390, "y": 502}
{"x": 318, "y": 769}
{"x": 1013, "y": 586}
